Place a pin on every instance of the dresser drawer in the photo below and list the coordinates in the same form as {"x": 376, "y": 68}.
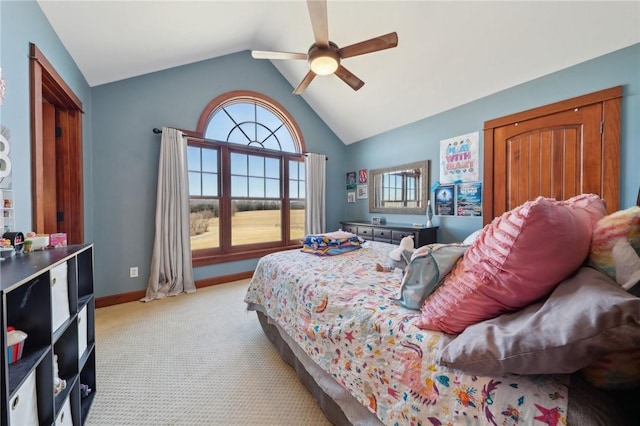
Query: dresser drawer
{"x": 350, "y": 228}
{"x": 397, "y": 236}
{"x": 365, "y": 232}
{"x": 381, "y": 234}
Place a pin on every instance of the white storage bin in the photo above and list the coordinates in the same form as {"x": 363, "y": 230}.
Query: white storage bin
{"x": 64, "y": 416}
{"x": 23, "y": 407}
{"x": 82, "y": 331}
{"x": 59, "y": 295}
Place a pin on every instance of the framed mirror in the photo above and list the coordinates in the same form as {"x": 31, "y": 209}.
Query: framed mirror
{"x": 399, "y": 190}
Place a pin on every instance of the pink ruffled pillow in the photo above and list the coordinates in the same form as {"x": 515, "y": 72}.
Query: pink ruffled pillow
{"x": 518, "y": 258}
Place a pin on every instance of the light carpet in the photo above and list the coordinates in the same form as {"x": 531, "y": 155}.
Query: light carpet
{"x": 196, "y": 359}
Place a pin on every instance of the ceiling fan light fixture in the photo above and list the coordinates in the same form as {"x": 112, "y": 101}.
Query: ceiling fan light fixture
{"x": 323, "y": 61}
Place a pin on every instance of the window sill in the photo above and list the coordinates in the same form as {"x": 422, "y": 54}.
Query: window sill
{"x": 214, "y": 259}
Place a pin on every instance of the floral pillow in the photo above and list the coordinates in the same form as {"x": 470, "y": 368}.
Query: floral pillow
{"x": 517, "y": 259}
{"x": 615, "y": 239}
{"x": 617, "y": 370}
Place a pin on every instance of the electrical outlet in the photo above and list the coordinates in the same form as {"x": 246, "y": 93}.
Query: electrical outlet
{"x": 133, "y": 272}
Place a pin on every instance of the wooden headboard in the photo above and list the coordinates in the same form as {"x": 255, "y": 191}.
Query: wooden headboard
{"x": 558, "y": 151}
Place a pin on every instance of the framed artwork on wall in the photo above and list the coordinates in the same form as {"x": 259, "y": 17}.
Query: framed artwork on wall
{"x": 362, "y": 176}
{"x": 362, "y": 191}
{"x": 444, "y": 200}
{"x": 351, "y": 180}
{"x": 351, "y": 197}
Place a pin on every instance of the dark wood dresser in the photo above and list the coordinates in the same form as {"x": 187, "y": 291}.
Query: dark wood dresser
{"x": 391, "y": 232}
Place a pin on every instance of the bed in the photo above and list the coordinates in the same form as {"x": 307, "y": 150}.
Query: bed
{"x": 337, "y": 321}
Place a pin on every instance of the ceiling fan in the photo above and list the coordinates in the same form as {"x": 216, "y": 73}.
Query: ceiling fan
{"x": 324, "y": 56}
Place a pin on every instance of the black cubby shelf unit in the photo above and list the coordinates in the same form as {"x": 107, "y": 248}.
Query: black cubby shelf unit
{"x": 27, "y": 284}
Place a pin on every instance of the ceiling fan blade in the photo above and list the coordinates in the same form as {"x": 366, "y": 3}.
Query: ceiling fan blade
{"x": 304, "y": 83}
{"x": 386, "y": 41}
{"x": 319, "y": 21}
{"x": 261, "y": 54}
{"x": 348, "y": 77}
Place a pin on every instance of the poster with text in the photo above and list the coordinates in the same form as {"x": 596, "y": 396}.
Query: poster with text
{"x": 459, "y": 158}
{"x": 469, "y": 199}
{"x": 444, "y": 200}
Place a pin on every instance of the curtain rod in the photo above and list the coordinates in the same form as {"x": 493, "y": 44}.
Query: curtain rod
{"x": 159, "y": 131}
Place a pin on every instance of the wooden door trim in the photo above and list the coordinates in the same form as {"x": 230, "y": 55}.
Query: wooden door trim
{"x": 46, "y": 85}
{"x": 610, "y": 100}
{"x": 588, "y": 99}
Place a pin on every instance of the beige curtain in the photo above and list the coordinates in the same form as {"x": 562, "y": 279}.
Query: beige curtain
{"x": 171, "y": 272}
{"x": 315, "y": 215}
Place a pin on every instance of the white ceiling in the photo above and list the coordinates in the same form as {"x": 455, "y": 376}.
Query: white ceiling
{"x": 449, "y": 53}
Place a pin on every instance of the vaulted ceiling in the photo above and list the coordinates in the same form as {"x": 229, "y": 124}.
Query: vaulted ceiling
{"x": 449, "y": 52}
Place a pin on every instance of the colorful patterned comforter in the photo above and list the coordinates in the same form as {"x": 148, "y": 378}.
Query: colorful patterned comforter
{"x": 342, "y": 313}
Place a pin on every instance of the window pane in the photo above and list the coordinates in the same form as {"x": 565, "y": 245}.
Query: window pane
{"x": 238, "y": 137}
{"x": 272, "y": 167}
{"x": 286, "y": 141}
{"x": 263, "y": 135}
{"x": 256, "y": 166}
{"x": 267, "y": 118}
{"x": 293, "y": 189}
{"x": 242, "y": 111}
{"x": 239, "y": 186}
{"x": 296, "y": 220}
{"x": 209, "y": 185}
{"x": 204, "y": 232}
{"x": 255, "y": 221}
{"x": 219, "y": 127}
{"x": 193, "y": 158}
{"x": 293, "y": 169}
{"x": 273, "y": 188}
{"x": 238, "y": 164}
{"x": 256, "y": 187}
{"x": 210, "y": 160}
{"x": 195, "y": 187}
{"x": 272, "y": 143}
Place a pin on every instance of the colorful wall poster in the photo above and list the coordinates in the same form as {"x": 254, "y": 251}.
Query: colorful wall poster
{"x": 469, "y": 199}
{"x": 444, "y": 200}
{"x": 362, "y": 176}
{"x": 460, "y": 158}
{"x": 351, "y": 180}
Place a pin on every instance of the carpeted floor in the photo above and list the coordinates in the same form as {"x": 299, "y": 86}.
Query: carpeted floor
{"x": 198, "y": 359}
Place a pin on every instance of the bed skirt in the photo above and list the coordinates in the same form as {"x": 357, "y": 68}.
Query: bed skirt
{"x": 587, "y": 405}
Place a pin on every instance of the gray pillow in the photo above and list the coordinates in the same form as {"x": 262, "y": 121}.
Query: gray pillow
{"x": 587, "y": 316}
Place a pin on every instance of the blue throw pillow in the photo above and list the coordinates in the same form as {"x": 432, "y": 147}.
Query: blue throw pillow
{"x": 429, "y": 266}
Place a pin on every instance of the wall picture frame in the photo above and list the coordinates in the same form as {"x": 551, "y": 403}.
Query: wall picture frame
{"x": 351, "y": 180}
{"x": 351, "y": 197}
{"x": 363, "y": 176}
{"x": 362, "y": 192}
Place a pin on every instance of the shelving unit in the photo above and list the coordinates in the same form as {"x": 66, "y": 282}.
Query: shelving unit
{"x": 7, "y": 213}
{"x": 26, "y": 286}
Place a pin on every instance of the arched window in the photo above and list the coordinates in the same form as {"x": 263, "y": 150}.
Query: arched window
{"x": 246, "y": 179}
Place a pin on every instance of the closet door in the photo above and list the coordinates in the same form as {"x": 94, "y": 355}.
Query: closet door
{"x": 556, "y": 151}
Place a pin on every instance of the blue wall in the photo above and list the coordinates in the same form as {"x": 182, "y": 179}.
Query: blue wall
{"x": 126, "y": 154}
{"x": 21, "y": 23}
{"x": 121, "y": 152}
{"x": 421, "y": 140}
